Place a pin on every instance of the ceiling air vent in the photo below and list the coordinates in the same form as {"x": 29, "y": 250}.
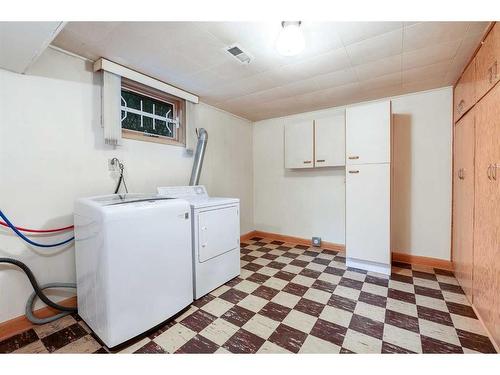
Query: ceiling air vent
{"x": 237, "y": 52}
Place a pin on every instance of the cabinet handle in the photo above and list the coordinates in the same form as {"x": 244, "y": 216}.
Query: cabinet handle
{"x": 459, "y": 174}
{"x": 320, "y": 161}
{"x": 353, "y": 171}
{"x": 307, "y": 161}
{"x": 495, "y": 69}
{"x": 463, "y": 174}
{"x": 460, "y": 106}
{"x": 488, "y": 172}
{"x": 494, "y": 171}
{"x": 353, "y": 157}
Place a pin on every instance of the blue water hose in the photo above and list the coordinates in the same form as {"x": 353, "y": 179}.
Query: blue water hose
{"x": 12, "y": 226}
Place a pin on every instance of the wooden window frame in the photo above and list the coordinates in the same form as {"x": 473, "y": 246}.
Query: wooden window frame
{"x": 179, "y": 111}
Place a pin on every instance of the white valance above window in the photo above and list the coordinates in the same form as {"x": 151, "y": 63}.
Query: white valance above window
{"x": 112, "y": 74}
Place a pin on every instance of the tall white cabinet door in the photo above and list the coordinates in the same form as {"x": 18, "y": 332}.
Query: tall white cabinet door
{"x": 368, "y": 133}
{"x": 368, "y": 212}
{"x": 329, "y": 137}
{"x": 299, "y": 149}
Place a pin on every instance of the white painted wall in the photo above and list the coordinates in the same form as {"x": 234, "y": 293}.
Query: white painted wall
{"x": 52, "y": 151}
{"x": 311, "y": 202}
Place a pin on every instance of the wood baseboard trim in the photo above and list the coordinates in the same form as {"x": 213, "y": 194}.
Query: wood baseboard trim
{"x": 247, "y": 236}
{"x": 21, "y": 323}
{"x": 296, "y": 240}
{"x": 423, "y": 261}
{"x": 496, "y": 345}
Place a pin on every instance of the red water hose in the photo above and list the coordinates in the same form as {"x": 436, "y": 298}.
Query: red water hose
{"x": 39, "y": 230}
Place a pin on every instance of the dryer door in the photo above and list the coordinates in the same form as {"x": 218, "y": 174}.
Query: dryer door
{"x": 218, "y": 232}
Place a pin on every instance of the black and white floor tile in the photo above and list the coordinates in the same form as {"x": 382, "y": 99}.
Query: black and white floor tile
{"x": 292, "y": 298}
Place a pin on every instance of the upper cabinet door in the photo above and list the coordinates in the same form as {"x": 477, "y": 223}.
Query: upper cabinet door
{"x": 464, "y": 96}
{"x": 487, "y": 69}
{"x": 329, "y": 134}
{"x": 299, "y": 149}
{"x": 368, "y": 133}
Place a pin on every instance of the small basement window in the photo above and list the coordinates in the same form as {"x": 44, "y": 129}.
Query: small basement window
{"x": 150, "y": 115}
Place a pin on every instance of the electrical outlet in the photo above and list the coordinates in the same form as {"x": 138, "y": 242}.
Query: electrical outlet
{"x": 112, "y": 165}
{"x": 316, "y": 241}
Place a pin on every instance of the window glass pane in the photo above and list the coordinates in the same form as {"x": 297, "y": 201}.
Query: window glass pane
{"x": 133, "y": 100}
{"x": 147, "y": 104}
{"x": 148, "y": 125}
{"x": 161, "y": 109}
{"x": 163, "y": 129}
{"x": 150, "y": 108}
{"x": 132, "y": 122}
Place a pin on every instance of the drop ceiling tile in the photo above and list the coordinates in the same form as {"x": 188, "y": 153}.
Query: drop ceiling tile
{"x": 376, "y": 48}
{"x": 430, "y": 55}
{"x": 388, "y": 80}
{"x": 424, "y": 85}
{"x": 352, "y": 32}
{"x": 337, "y": 78}
{"x": 231, "y": 71}
{"x": 322, "y": 64}
{"x": 243, "y": 33}
{"x": 70, "y": 41}
{"x": 91, "y": 32}
{"x": 427, "y": 73}
{"x": 191, "y": 55}
{"x": 388, "y": 65}
{"x": 382, "y": 92}
{"x": 205, "y": 48}
{"x": 321, "y": 37}
{"x": 427, "y": 33}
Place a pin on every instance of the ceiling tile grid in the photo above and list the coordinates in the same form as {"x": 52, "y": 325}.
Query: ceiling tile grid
{"x": 343, "y": 62}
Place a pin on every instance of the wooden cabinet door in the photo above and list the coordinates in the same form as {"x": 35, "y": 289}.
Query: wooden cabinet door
{"x": 463, "y": 202}
{"x": 464, "y": 95}
{"x": 368, "y": 133}
{"x": 329, "y": 141}
{"x": 486, "y": 283}
{"x": 487, "y": 61}
{"x": 299, "y": 149}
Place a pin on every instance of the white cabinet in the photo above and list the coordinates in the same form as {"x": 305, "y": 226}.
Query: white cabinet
{"x": 368, "y": 213}
{"x": 299, "y": 144}
{"x": 368, "y": 186}
{"x": 315, "y": 143}
{"x": 368, "y": 133}
{"x": 329, "y": 141}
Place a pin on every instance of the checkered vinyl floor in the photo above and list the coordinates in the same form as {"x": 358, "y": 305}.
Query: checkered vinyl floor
{"x": 295, "y": 299}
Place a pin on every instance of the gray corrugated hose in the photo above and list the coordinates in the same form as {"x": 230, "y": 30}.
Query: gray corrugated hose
{"x": 198, "y": 156}
{"x": 29, "y": 304}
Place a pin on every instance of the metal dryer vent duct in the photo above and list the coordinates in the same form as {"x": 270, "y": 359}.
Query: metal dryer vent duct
{"x": 198, "y": 156}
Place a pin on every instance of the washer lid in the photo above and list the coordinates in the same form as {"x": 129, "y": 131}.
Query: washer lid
{"x": 115, "y": 199}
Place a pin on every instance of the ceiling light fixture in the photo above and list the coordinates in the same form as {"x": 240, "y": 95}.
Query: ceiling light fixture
{"x": 290, "y": 41}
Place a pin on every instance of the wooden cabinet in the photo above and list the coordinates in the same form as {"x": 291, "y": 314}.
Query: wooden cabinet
{"x": 299, "y": 144}
{"x": 463, "y": 202}
{"x": 329, "y": 141}
{"x": 476, "y": 157}
{"x": 464, "y": 95}
{"x": 368, "y": 133}
{"x": 315, "y": 143}
{"x": 486, "y": 281}
{"x": 486, "y": 62}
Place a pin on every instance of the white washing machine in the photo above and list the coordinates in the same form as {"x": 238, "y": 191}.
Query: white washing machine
{"x": 215, "y": 236}
{"x": 133, "y": 263}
